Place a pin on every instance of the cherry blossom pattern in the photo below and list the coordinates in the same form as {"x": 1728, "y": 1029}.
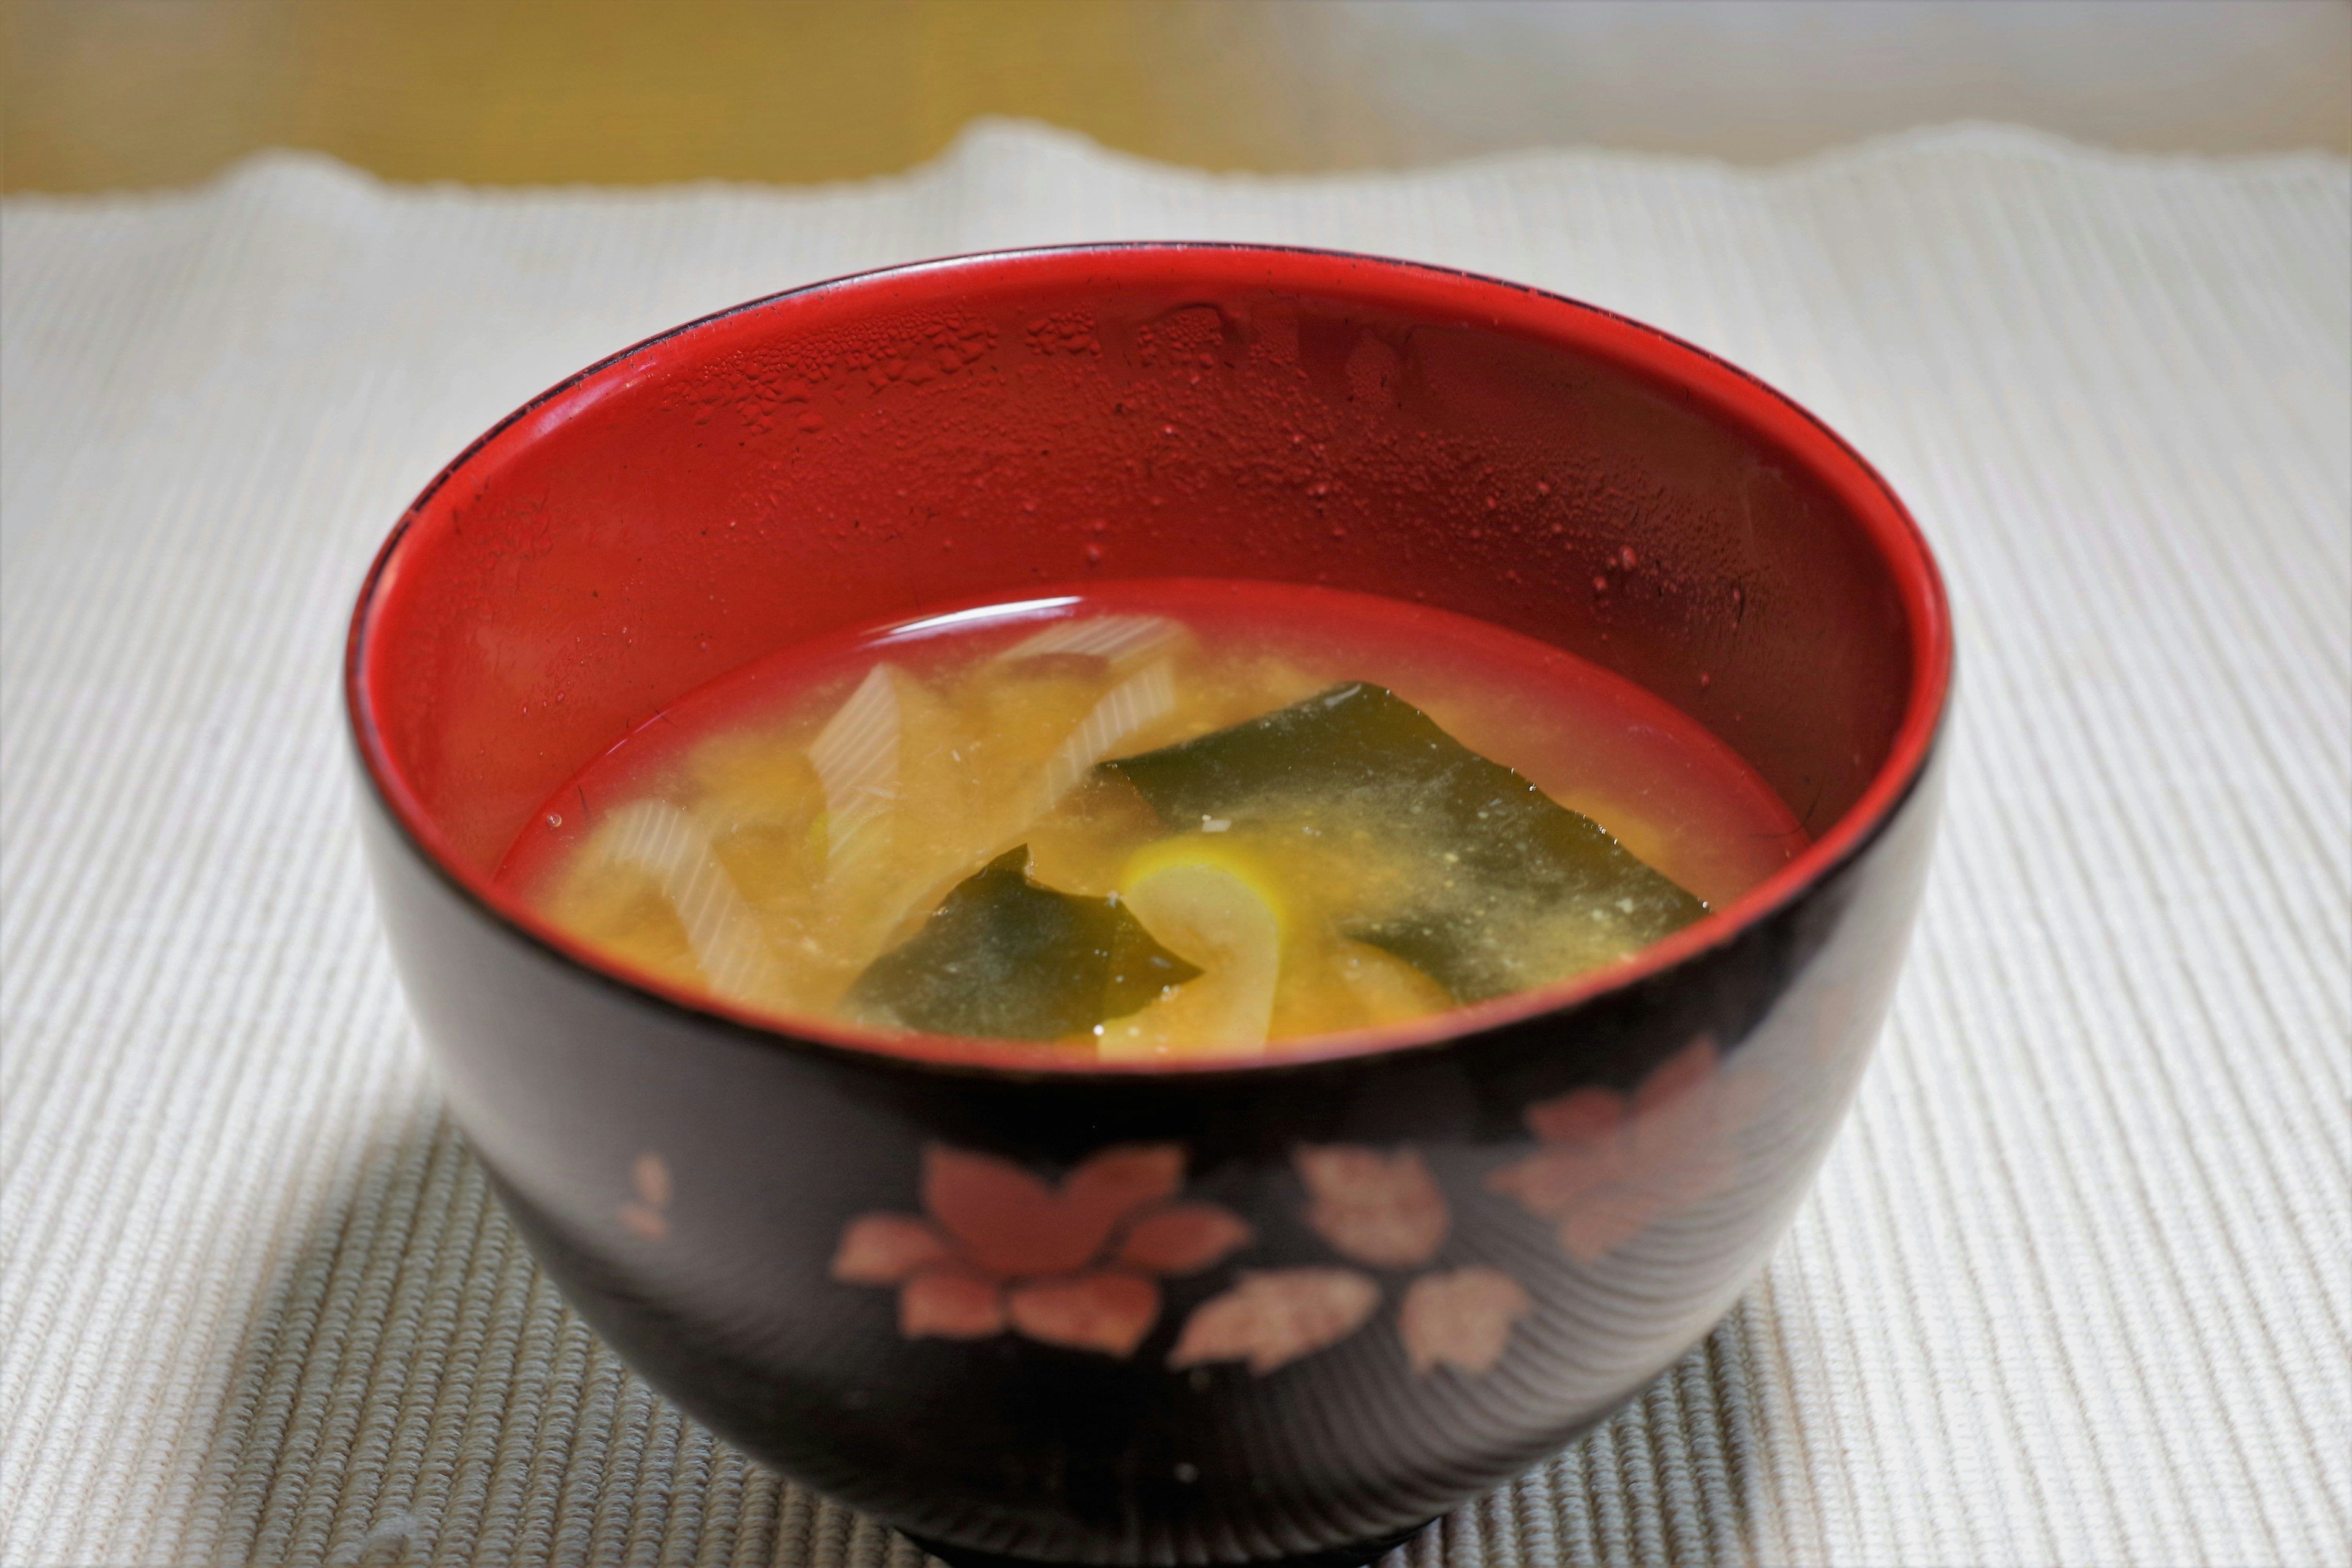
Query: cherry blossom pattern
{"x": 1462, "y": 1319}
{"x": 646, "y": 1214}
{"x": 1077, "y": 1265}
{"x": 1379, "y": 1208}
{"x": 1274, "y": 1316}
{"x": 1612, "y": 1163}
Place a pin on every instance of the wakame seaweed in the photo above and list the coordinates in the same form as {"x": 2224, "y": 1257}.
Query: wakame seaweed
{"x": 1503, "y": 887}
{"x": 1003, "y": 958}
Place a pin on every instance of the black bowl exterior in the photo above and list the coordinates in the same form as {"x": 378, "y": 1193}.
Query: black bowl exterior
{"x": 1159, "y": 1319}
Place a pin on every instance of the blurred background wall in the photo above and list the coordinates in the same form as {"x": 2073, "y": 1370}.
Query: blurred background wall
{"x": 99, "y": 93}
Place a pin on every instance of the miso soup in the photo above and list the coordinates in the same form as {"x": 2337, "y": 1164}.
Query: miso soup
{"x": 1154, "y": 819}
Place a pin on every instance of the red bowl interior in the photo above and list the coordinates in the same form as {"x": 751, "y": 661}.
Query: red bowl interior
{"x": 1005, "y": 425}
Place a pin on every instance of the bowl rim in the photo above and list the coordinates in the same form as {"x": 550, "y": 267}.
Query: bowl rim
{"x": 1500, "y": 303}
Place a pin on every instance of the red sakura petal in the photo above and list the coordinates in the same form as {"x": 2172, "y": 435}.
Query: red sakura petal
{"x": 883, "y": 1248}
{"x": 1673, "y": 1144}
{"x": 649, "y": 1173}
{"x": 1377, "y": 1208}
{"x": 1685, "y": 1072}
{"x": 1107, "y": 1312}
{"x": 1005, "y": 1219}
{"x": 1274, "y": 1318}
{"x": 1701, "y": 1125}
{"x": 1183, "y": 1237}
{"x": 1121, "y": 1180}
{"x": 1585, "y": 1116}
{"x": 1550, "y": 1181}
{"x": 1607, "y": 1220}
{"x": 1464, "y": 1318}
{"x": 949, "y": 1306}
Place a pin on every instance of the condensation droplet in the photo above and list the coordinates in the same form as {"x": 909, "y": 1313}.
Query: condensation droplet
{"x": 1627, "y": 559}
{"x": 555, "y": 819}
{"x": 1705, "y": 680}
{"x": 1094, "y": 555}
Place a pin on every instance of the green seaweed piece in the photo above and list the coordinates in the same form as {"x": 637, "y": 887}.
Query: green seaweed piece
{"x": 1499, "y": 887}
{"x": 1003, "y": 958}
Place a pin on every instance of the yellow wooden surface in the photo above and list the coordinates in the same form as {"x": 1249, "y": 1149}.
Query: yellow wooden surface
{"x": 143, "y": 93}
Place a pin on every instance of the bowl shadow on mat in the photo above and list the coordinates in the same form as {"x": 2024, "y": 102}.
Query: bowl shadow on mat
{"x": 414, "y": 1391}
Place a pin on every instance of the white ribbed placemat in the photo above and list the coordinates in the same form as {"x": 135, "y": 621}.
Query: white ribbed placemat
{"x": 2076, "y": 1286}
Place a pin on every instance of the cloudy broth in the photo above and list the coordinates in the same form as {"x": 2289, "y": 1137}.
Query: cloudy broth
{"x": 1156, "y": 819}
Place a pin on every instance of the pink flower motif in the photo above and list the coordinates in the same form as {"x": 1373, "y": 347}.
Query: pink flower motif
{"x": 646, "y": 1214}
{"x": 1274, "y": 1316}
{"x": 1612, "y": 1163}
{"x": 1462, "y": 1319}
{"x": 1380, "y": 1209}
{"x": 1073, "y": 1266}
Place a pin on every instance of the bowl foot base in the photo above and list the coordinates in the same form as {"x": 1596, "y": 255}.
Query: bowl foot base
{"x": 1355, "y": 1554}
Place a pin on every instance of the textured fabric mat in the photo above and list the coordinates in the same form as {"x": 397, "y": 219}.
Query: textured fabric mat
{"x": 2076, "y": 1285}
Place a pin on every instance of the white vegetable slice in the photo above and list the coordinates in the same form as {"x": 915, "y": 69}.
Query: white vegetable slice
{"x": 667, "y": 844}
{"x": 1141, "y": 699}
{"x": 856, "y": 760}
{"x": 1122, "y": 641}
{"x": 1208, "y": 912}
{"x": 903, "y": 826}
